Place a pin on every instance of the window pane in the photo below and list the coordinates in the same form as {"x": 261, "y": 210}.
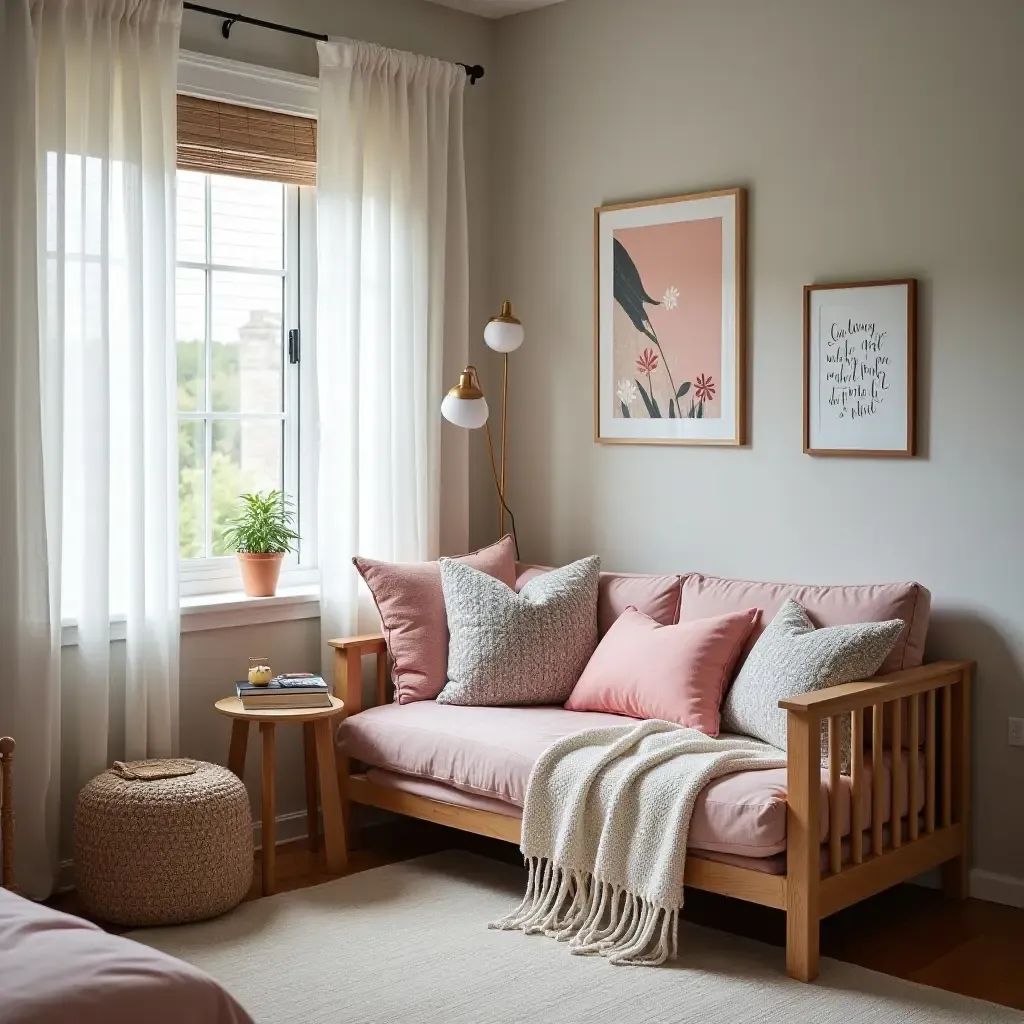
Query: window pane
{"x": 191, "y": 488}
{"x": 246, "y": 457}
{"x": 248, "y": 346}
{"x": 190, "y": 316}
{"x": 191, "y": 231}
{"x": 248, "y": 222}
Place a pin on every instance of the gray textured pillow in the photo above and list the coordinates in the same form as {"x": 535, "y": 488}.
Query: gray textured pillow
{"x": 525, "y": 648}
{"x": 792, "y": 657}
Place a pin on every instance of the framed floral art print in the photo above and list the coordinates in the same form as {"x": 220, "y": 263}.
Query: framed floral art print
{"x": 670, "y": 310}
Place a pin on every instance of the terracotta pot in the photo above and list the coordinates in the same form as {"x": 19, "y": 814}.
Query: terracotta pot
{"x": 260, "y": 573}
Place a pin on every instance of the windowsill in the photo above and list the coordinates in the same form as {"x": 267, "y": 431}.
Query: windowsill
{"x": 223, "y": 611}
{"x": 219, "y": 611}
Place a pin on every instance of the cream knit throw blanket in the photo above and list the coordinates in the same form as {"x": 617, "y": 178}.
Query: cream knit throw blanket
{"x": 605, "y": 823}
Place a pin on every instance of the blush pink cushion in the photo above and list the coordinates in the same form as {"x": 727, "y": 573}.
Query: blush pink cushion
{"x": 703, "y": 596}
{"x": 412, "y": 615}
{"x": 656, "y": 596}
{"x": 482, "y": 755}
{"x": 677, "y": 673}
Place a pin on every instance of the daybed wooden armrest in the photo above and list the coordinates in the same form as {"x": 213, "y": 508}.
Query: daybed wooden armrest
{"x": 348, "y": 668}
{"x": 847, "y": 696}
{"x": 896, "y": 722}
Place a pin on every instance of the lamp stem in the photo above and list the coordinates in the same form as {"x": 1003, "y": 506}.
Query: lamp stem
{"x": 504, "y": 435}
{"x": 501, "y": 494}
{"x": 494, "y": 466}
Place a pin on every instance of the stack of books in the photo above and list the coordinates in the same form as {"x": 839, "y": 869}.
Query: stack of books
{"x": 293, "y": 691}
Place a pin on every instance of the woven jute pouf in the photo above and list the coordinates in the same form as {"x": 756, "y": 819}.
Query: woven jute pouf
{"x": 163, "y": 842}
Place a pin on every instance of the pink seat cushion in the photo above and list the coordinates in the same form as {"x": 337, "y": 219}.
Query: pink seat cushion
{"x": 677, "y": 673}
{"x": 656, "y": 596}
{"x": 485, "y": 754}
{"x": 703, "y": 596}
{"x": 412, "y": 614}
{"x": 774, "y": 864}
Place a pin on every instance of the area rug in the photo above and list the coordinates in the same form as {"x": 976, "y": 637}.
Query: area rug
{"x": 409, "y": 943}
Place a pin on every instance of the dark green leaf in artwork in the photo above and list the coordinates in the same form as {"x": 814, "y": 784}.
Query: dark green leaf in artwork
{"x": 625, "y": 410}
{"x": 700, "y": 411}
{"x": 628, "y": 289}
{"x": 652, "y": 406}
{"x": 683, "y": 388}
{"x": 646, "y": 398}
{"x": 690, "y": 414}
{"x": 671, "y": 409}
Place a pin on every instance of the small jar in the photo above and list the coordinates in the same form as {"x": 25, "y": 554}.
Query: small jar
{"x": 260, "y": 673}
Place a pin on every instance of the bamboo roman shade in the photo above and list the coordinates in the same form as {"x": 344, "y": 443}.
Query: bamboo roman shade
{"x": 221, "y": 138}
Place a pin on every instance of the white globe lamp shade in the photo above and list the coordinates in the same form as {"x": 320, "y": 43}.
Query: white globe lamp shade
{"x": 465, "y": 405}
{"x": 504, "y": 333}
{"x": 470, "y": 413}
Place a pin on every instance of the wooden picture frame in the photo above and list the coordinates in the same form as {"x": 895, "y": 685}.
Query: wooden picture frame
{"x": 683, "y": 353}
{"x": 859, "y": 371}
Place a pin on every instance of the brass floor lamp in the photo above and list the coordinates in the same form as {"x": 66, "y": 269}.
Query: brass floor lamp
{"x": 466, "y": 406}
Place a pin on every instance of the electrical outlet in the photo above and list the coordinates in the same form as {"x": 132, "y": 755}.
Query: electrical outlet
{"x": 1015, "y": 733}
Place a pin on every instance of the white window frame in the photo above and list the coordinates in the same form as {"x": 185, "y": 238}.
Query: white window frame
{"x": 235, "y": 82}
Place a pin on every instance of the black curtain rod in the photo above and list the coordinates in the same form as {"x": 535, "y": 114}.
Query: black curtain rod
{"x": 475, "y": 71}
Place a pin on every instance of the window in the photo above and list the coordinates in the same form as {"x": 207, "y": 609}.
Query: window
{"x": 243, "y": 368}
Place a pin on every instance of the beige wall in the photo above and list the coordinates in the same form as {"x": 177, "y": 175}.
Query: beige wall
{"x": 877, "y": 139}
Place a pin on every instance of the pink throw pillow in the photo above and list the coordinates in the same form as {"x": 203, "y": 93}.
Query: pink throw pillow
{"x": 413, "y": 618}
{"x": 676, "y": 673}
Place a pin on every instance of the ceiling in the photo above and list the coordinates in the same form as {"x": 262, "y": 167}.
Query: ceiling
{"x": 495, "y": 8}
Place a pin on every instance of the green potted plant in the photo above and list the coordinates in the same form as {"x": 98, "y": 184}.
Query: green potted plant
{"x": 262, "y": 535}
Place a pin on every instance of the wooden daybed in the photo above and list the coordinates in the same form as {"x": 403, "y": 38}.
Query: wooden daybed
{"x": 924, "y": 709}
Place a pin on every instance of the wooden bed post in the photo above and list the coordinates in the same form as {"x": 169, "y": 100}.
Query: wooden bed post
{"x": 6, "y": 812}
{"x": 803, "y": 844}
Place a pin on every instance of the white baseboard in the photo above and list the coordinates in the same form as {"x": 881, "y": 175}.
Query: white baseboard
{"x": 290, "y": 827}
{"x": 987, "y": 885}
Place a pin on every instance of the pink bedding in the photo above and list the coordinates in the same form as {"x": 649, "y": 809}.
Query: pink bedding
{"x": 55, "y": 968}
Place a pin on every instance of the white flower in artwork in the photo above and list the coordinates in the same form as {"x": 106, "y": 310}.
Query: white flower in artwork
{"x": 627, "y": 391}
{"x": 671, "y": 297}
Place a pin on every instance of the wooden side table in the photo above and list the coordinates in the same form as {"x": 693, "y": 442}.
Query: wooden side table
{"x": 320, "y": 760}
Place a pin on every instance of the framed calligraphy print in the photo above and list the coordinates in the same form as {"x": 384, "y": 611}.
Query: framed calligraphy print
{"x": 668, "y": 291}
{"x": 859, "y": 380}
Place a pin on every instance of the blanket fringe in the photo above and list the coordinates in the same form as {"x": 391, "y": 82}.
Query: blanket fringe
{"x": 594, "y": 918}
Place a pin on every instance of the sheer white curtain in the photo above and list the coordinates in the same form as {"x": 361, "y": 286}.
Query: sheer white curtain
{"x": 87, "y": 445}
{"x": 392, "y": 293}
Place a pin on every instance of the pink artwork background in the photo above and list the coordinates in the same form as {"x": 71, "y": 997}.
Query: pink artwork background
{"x": 685, "y": 256}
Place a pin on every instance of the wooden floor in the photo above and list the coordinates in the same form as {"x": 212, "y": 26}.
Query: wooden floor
{"x": 972, "y": 947}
